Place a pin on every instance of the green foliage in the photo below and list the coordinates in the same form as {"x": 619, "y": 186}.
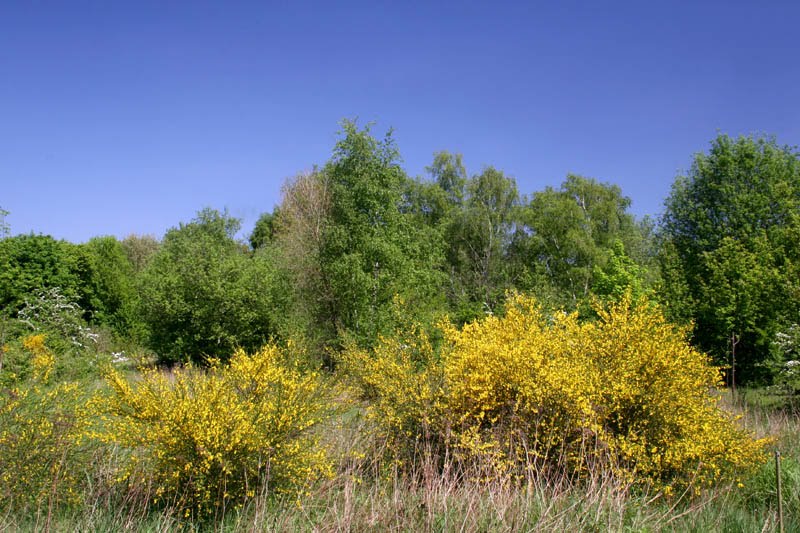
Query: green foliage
{"x": 568, "y": 236}
{"x": 113, "y": 298}
{"x": 139, "y": 249}
{"x": 741, "y": 187}
{"x": 97, "y": 276}
{"x": 299, "y": 228}
{"x": 263, "y": 232}
{"x": 428, "y": 205}
{"x": 204, "y": 294}
{"x": 369, "y": 250}
{"x": 737, "y": 300}
{"x": 729, "y": 231}
{"x": 360, "y": 256}
{"x": 450, "y": 175}
{"x": 478, "y": 236}
{"x": 32, "y": 262}
{"x": 620, "y": 275}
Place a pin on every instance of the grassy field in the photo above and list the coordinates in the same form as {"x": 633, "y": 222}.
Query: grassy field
{"x": 367, "y": 495}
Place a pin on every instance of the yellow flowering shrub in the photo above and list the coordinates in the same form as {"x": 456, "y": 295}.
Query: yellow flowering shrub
{"x": 519, "y": 389}
{"x": 42, "y": 359}
{"x": 533, "y": 392}
{"x": 402, "y": 382}
{"x": 41, "y": 456}
{"x": 663, "y": 418}
{"x": 212, "y": 438}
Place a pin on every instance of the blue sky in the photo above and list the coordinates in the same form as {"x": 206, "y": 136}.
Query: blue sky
{"x": 128, "y": 117}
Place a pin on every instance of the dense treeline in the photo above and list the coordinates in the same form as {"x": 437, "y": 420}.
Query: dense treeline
{"x": 356, "y": 246}
{"x": 473, "y": 334}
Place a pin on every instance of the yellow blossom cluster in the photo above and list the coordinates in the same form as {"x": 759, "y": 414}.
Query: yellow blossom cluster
{"x": 402, "y": 383}
{"x": 43, "y": 360}
{"x": 40, "y": 430}
{"x": 531, "y": 392}
{"x": 212, "y": 438}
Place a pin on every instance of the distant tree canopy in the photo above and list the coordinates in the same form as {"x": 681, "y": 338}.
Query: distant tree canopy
{"x": 96, "y": 275}
{"x": 731, "y": 250}
{"x": 32, "y": 262}
{"x": 203, "y": 294}
{"x": 139, "y": 249}
{"x": 111, "y": 294}
{"x": 350, "y": 246}
{"x": 481, "y": 221}
{"x": 358, "y": 237}
{"x": 5, "y": 228}
{"x": 263, "y": 232}
{"x": 567, "y": 236}
{"x": 356, "y": 248}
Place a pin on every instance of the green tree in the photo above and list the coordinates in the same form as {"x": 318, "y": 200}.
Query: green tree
{"x": 113, "y": 299}
{"x": 728, "y": 231}
{"x": 139, "y": 249}
{"x": 620, "y": 275}
{"x": 299, "y": 224}
{"x": 370, "y": 251}
{"x": 737, "y": 303}
{"x": 263, "y": 231}
{"x": 449, "y": 173}
{"x": 204, "y": 294}
{"x": 426, "y": 203}
{"x": 33, "y": 262}
{"x": 568, "y": 235}
{"x": 479, "y": 235}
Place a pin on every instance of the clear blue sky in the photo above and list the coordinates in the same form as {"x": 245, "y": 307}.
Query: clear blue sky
{"x": 128, "y": 117}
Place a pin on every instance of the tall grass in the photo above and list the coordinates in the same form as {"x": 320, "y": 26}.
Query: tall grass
{"x": 448, "y": 502}
{"x": 435, "y": 492}
{"x": 369, "y": 494}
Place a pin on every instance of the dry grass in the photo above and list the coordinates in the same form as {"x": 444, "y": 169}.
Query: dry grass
{"x": 369, "y": 493}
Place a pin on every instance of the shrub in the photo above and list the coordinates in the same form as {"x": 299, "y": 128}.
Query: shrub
{"x": 401, "y": 379}
{"x": 786, "y": 364}
{"x": 41, "y": 454}
{"x": 531, "y": 393}
{"x": 70, "y": 342}
{"x": 210, "y": 439}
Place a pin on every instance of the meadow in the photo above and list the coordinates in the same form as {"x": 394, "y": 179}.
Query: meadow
{"x": 525, "y": 422}
{"x": 390, "y": 352}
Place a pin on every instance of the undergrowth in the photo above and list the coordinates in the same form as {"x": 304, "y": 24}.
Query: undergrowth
{"x": 524, "y": 422}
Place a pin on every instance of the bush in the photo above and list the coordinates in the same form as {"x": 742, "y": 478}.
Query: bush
{"x": 72, "y": 345}
{"x": 401, "y": 378}
{"x": 529, "y": 394}
{"x": 203, "y": 294}
{"x": 211, "y": 439}
{"x": 42, "y": 458}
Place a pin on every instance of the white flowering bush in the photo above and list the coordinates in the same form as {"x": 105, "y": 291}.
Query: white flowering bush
{"x": 59, "y": 319}
{"x": 786, "y": 370}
